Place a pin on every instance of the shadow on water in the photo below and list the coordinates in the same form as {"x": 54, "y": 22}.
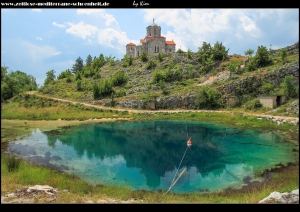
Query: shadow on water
{"x": 146, "y": 154}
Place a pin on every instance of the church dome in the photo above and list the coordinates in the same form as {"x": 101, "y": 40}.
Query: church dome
{"x": 153, "y": 24}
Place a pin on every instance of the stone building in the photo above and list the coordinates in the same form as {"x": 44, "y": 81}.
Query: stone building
{"x": 152, "y": 43}
{"x": 272, "y": 101}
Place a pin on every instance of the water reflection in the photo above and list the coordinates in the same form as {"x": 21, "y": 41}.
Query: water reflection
{"x": 146, "y": 154}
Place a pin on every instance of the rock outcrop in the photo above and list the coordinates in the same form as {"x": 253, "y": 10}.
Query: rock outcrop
{"x": 276, "y": 197}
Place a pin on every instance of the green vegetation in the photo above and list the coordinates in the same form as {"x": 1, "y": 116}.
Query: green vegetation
{"x": 289, "y": 88}
{"x": 12, "y": 162}
{"x": 208, "y": 98}
{"x": 283, "y": 55}
{"x": 79, "y": 191}
{"x": 104, "y": 78}
{"x": 15, "y": 82}
{"x": 160, "y": 57}
{"x": 284, "y": 179}
{"x": 144, "y": 56}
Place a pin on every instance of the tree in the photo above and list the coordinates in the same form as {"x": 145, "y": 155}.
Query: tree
{"x": 15, "y": 82}
{"x": 262, "y": 57}
{"x": 88, "y": 61}
{"x": 283, "y": 55}
{"x": 98, "y": 63}
{"x": 219, "y": 51}
{"x": 77, "y": 67}
{"x": 207, "y": 65}
{"x": 50, "y": 77}
{"x": 24, "y": 82}
{"x": 65, "y": 74}
{"x": 204, "y": 52}
{"x": 288, "y": 87}
{"x": 249, "y": 52}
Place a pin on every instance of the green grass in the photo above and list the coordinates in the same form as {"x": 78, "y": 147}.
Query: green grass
{"x": 285, "y": 180}
{"x": 33, "y": 109}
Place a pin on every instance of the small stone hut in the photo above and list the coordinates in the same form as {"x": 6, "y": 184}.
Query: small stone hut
{"x": 272, "y": 101}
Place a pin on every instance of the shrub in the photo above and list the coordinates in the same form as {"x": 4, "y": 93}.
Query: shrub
{"x": 119, "y": 78}
{"x": 78, "y": 85}
{"x": 253, "y": 104}
{"x": 150, "y": 64}
{"x": 121, "y": 93}
{"x": 189, "y": 54}
{"x": 68, "y": 79}
{"x": 12, "y": 162}
{"x": 144, "y": 56}
{"x": 158, "y": 76}
{"x": 160, "y": 57}
{"x": 208, "y": 98}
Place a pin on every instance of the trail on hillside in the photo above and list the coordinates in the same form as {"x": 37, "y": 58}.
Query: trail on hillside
{"x": 159, "y": 111}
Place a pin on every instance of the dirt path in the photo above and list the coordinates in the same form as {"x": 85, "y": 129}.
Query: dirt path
{"x": 157, "y": 111}
{"x": 287, "y": 118}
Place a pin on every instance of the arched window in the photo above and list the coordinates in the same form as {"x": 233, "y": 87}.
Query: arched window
{"x": 154, "y": 31}
{"x": 130, "y": 49}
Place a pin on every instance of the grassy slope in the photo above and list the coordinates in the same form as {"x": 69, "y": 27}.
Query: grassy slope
{"x": 285, "y": 180}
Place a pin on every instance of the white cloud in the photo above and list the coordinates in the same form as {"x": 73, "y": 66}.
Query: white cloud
{"x": 249, "y": 26}
{"x": 113, "y": 38}
{"x": 58, "y": 25}
{"x": 39, "y": 38}
{"x": 233, "y": 27}
{"x": 108, "y": 19}
{"x": 37, "y": 10}
{"x": 238, "y": 36}
{"x": 81, "y": 30}
{"x": 38, "y": 52}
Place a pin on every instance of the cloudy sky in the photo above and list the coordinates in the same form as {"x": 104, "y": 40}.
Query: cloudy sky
{"x": 35, "y": 41}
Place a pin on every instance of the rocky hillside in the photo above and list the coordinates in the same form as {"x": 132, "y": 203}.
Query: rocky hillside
{"x": 142, "y": 92}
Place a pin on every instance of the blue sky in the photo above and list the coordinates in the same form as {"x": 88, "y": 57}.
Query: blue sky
{"x": 36, "y": 41}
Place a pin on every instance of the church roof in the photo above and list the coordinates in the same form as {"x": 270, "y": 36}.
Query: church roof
{"x": 153, "y": 36}
{"x": 130, "y": 44}
{"x": 170, "y": 43}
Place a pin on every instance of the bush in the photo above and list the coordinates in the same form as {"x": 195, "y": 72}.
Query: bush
{"x": 69, "y": 79}
{"x": 160, "y": 57}
{"x": 208, "y": 98}
{"x": 158, "y": 76}
{"x": 150, "y": 64}
{"x": 144, "y": 56}
{"x": 189, "y": 54}
{"x": 253, "y": 104}
{"x": 12, "y": 162}
{"x": 119, "y": 78}
{"x": 121, "y": 93}
{"x": 78, "y": 85}
{"x": 289, "y": 89}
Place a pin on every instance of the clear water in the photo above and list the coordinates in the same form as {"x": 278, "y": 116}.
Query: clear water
{"x": 150, "y": 155}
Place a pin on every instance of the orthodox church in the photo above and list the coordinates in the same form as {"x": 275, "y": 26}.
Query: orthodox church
{"x": 152, "y": 43}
